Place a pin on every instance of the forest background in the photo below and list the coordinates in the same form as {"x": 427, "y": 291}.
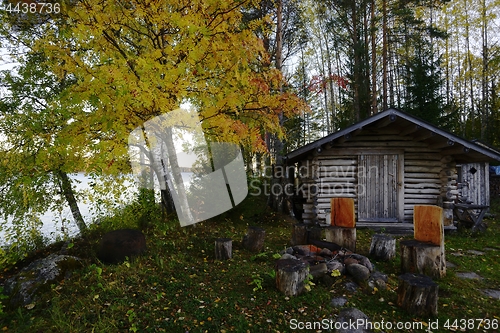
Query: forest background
{"x": 269, "y": 75}
{"x": 438, "y": 60}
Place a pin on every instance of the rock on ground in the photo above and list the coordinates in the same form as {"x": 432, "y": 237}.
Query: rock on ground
{"x": 41, "y": 273}
{"x": 351, "y": 287}
{"x": 338, "y": 302}
{"x": 352, "y": 320}
{"x": 116, "y": 245}
{"x": 358, "y": 272}
{"x": 492, "y": 293}
{"x": 334, "y": 265}
{"x": 469, "y": 275}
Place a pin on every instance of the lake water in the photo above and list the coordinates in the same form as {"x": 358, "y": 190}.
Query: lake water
{"x": 58, "y": 224}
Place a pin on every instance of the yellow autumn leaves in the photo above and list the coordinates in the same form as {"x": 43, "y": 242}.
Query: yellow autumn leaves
{"x": 135, "y": 60}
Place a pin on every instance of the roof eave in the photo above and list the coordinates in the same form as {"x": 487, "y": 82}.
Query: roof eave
{"x": 299, "y": 153}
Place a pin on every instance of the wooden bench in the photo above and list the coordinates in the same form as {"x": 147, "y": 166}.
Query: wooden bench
{"x": 472, "y": 214}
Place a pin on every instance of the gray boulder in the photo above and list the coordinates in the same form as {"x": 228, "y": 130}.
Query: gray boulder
{"x": 335, "y": 265}
{"x": 288, "y": 256}
{"x": 378, "y": 280}
{"x": 351, "y": 287}
{"x": 117, "y": 245}
{"x": 358, "y": 272}
{"x": 363, "y": 261}
{"x": 352, "y": 320}
{"x": 38, "y": 275}
{"x": 338, "y": 302}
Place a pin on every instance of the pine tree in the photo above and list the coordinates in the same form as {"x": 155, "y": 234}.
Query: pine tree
{"x": 424, "y": 82}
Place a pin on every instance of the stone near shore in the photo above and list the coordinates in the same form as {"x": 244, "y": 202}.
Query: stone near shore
{"x": 40, "y": 274}
{"x": 117, "y": 245}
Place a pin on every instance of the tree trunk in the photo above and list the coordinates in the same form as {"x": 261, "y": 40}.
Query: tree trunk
{"x": 470, "y": 68}
{"x": 345, "y": 237}
{"x": 223, "y": 248}
{"x": 373, "y": 58}
{"x": 167, "y": 201}
{"x": 485, "y": 73}
{"x": 69, "y": 195}
{"x": 418, "y": 295}
{"x": 254, "y": 239}
{"x": 276, "y": 198}
{"x": 383, "y": 247}
{"x": 422, "y": 258}
{"x": 384, "y": 55}
{"x": 357, "y": 62}
{"x": 185, "y": 212}
{"x": 290, "y": 276}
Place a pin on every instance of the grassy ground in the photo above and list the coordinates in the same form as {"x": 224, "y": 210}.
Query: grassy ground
{"x": 179, "y": 287}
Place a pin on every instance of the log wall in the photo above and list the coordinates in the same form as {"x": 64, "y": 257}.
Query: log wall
{"x": 422, "y": 180}
{"x": 336, "y": 178}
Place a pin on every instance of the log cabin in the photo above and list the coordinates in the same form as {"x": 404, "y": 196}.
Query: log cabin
{"x": 389, "y": 163}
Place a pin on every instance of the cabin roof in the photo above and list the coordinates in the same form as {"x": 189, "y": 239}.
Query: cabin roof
{"x": 464, "y": 151}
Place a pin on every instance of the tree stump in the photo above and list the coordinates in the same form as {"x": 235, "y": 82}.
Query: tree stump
{"x": 290, "y": 276}
{"x": 223, "y": 248}
{"x": 254, "y": 239}
{"x": 418, "y": 294}
{"x": 345, "y": 237}
{"x": 299, "y": 234}
{"x": 383, "y": 247}
{"x": 422, "y": 258}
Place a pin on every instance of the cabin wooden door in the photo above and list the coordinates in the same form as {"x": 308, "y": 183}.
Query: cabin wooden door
{"x": 378, "y": 188}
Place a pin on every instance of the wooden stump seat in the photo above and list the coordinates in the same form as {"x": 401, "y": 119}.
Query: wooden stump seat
{"x": 345, "y": 237}
{"x": 342, "y": 229}
{"x": 428, "y": 224}
{"x": 425, "y": 254}
{"x": 342, "y": 212}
